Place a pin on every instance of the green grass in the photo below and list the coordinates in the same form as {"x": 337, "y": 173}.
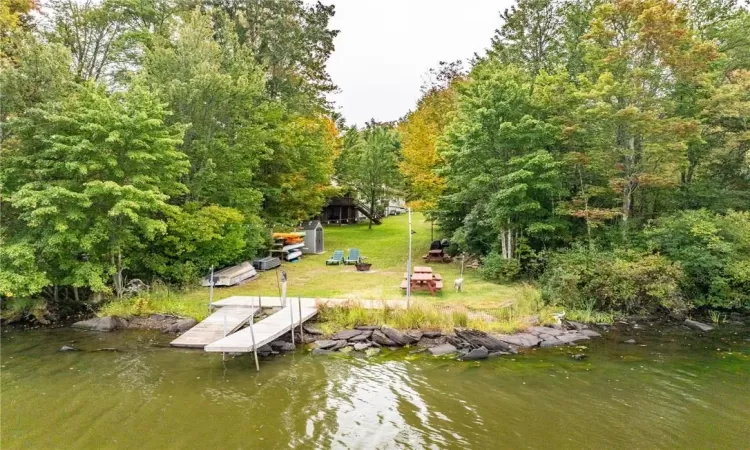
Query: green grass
{"x": 385, "y": 246}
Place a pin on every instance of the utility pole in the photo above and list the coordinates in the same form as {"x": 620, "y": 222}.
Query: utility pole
{"x": 408, "y": 267}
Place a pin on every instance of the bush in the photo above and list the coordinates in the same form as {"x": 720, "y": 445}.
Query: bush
{"x": 628, "y": 281}
{"x": 714, "y": 252}
{"x": 495, "y": 268}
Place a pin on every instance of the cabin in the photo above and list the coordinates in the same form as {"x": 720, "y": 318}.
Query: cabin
{"x": 345, "y": 209}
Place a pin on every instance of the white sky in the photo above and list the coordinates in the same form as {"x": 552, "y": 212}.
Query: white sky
{"x": 385, "y": 48}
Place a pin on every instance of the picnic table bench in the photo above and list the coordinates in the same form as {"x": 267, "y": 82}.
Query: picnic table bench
{"x": 424, "y": 280}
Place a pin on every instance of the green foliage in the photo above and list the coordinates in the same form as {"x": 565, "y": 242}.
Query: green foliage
{"x": 370, "y": 164}
{"x": 496, "y": 268}
{"x": 198, "y": 238}
{"x": 20, "y": 276}
{"x": 629, "y": 282}
{"x": 90, "y": 180}
{"x": 713, "y": 251}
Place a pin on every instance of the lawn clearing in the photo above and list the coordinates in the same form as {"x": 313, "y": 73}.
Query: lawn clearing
{"x": 385, "y": 246}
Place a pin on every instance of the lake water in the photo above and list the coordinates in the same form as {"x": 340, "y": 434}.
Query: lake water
{"x": 676, "y": 391}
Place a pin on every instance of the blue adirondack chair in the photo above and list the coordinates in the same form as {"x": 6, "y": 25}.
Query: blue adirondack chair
{"x": 353, "y": 257}
{"x": 337, "y": 258}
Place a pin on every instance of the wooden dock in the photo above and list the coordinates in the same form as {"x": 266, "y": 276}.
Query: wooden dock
{"x": 222, "y": 322}
{"x": 265, "y": 331}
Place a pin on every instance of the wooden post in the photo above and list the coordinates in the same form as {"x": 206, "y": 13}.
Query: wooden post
{"x": 291, "y": 316}
{"x": 252, "y": 336}
{"x": 408, "y": 268}
{"x": 223, "y": 355}
{"x": 301, "y": 335}
{"x": 211, "y": 290}
{"x": 259, "y": 303}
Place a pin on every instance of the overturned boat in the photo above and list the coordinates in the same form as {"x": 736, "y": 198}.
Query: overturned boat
{"x": 230, "y": 276}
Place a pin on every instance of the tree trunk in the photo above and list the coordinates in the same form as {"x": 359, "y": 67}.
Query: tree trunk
{"x": 372, "y": 207}
{"x": 75, "y": 294}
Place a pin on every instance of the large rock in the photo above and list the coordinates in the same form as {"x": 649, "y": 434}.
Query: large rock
{"x": 362, "y": 337}
{"x": 443, "y": 349}
{"x": 698, "y": 325}
{"x": 346, "y": 334}
{"x": 432, "y": 334}
{"x": 577, "y": 325}
{"x": 572, "y": 336}
{"x": 276, "y": 345}
{"x": 478, "y": 338}
{"x": 415, "y": 335}
{"x": 379, "y": 338}
{"x": 545, "y": 330}
{"x": 287, "y": 347}
{"x": 397, "y": 336}
{"x": 183, "y": 325}
{"x": 324, "y": 344}
{"x": 522, "y": 340}
{"x": 341, "y": 343}
{"x": 101, "y": 324}
{"x": 367, "y": 327}
{"x": 590, "y": 333}
{"x": 475, "y": 354}
{"x": 312, "y": 330}
{"x": 361, "y": 346}
{"x": 554, "y": 342}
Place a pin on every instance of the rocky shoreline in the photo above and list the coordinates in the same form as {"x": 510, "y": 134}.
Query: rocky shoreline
{"x": 162, "y": 322}
{"x": 463, "y": 344}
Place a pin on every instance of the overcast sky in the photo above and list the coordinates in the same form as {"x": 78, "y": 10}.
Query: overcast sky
{"x": 385, "y": 47}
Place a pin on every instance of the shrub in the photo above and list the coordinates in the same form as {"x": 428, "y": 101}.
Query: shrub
{"x": 714, "y": 252}
{"x": 627, "y": 281}
{"x": 495, "y": 268}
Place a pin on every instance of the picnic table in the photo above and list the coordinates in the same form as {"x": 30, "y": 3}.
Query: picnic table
{"x": 423, "y": 279}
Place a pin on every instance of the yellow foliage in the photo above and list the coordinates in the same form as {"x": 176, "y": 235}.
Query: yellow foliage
{"x": 11, "y": 12}
{"x": 420, "y": 131}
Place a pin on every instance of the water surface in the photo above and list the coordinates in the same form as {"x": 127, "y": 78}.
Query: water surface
{"x": 673, "y": 391}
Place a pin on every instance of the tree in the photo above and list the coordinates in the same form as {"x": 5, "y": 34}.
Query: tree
{"x": 291, "y": 38}
{"x": 530, "y": 35}
{"x": 638, "y": 50}
{"x": 371, "y": 165}
{"x": 420, "y": 130}
{"x": 91, "y": 179}
{"x": 491, "y": 148}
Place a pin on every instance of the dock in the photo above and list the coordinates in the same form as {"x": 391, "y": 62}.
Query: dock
{"x": 264, "y": 331}
{"x": 223, "y": 322}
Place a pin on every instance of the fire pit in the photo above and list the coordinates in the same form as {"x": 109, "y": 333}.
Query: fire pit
{"x": 363, "y": 266}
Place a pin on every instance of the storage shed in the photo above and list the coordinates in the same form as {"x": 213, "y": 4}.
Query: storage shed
{"x": 313, "y": 237}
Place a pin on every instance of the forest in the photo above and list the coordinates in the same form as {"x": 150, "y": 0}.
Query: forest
{"x": 597, "y": 149}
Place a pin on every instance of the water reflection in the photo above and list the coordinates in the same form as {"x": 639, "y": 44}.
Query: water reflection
{"x": 664, "y": 395}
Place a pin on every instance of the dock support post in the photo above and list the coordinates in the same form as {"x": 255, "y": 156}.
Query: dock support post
{"x": 301, "y": 336}
{"x": 223, "y": 354}
{"x": 291, "y": 316}
{"x": 260, "y": 306}
{"x": 252, "y": 336}
{"x": 211, "y": 291}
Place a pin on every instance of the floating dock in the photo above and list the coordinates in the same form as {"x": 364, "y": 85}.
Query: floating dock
{"x": 214, "y": 327}
{"x": 264, "y": 331}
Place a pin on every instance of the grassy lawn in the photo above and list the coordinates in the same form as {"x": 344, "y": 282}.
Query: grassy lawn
{"x": 385, "y": 246}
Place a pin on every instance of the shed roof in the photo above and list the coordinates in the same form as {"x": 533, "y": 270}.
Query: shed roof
{"x": 311, "y": 224}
